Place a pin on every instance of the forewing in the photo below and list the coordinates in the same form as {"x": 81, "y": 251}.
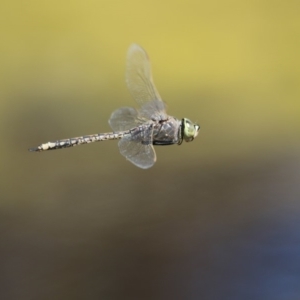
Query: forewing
{"x": 124, "y": 118}
{"x": 137, "y": 147}
{"x": 139, "y": 78}
{"x": 154, "y": 110}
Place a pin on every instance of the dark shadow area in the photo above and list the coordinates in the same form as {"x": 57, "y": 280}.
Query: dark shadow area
{"x": 223, "y": 233}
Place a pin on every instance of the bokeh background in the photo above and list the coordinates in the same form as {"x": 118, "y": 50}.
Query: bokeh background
{"x": 218, "y": 218}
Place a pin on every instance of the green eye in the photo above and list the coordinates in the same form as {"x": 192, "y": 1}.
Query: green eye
{"x": 189, "y": 130}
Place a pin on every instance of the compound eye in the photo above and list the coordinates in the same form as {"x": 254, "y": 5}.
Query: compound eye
{"x": 190, "y": 130}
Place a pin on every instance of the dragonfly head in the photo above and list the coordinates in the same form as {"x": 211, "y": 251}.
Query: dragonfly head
{"x": 189, "y": 130}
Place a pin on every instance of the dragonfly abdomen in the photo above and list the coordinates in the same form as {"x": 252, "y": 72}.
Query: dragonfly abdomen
{"x": 86, "y": 139}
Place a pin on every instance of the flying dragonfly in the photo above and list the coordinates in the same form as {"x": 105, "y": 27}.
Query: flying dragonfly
{"x": 138, "y": 130}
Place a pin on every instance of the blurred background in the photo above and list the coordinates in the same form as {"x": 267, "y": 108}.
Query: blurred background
{"x": 218, "y": 218}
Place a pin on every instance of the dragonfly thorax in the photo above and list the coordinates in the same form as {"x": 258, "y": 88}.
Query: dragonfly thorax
{"x": 166, "y": 132}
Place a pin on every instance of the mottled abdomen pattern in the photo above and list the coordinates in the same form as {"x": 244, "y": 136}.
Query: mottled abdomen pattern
{"x": 79, "y": 141}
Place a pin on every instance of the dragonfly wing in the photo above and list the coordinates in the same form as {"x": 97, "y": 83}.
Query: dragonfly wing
{"x": 123, "y": 119}
{"x": 139, "y": 79}
{"x": 137, "y": 147}
{"x": 154, "y": 110}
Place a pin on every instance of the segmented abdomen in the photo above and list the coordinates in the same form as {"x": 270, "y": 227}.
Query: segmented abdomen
{"x": 66, "y": 143}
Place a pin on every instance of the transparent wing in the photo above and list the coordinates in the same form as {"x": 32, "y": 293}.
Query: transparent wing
{"x": 137, "y": 147}
{"x": 139, "y": 79}
{"x": 124, "y": 118}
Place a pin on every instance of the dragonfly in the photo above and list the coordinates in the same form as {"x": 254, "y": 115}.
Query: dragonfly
{"x": 138, "y": 130}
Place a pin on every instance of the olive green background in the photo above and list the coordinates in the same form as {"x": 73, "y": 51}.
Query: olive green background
{"x": 218, "y": 218}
